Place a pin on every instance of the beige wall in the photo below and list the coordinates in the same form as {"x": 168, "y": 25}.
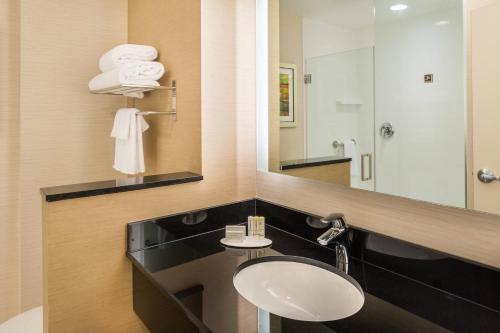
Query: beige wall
{"x": 171, "y": 146}
{"x": 85, "y": 238}
{"x": 64, "y": 130}
{"x": 55, "y": 132}
{"x": 9, "y": 159}
{"x": 463, "y": 233}
{"x": 292, "y": 138}
{"x": 475, "y": 198}
{"x": 486, "y": 119}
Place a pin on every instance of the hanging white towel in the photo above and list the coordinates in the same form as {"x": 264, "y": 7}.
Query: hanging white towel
{"x": 125, "y": 53}
{"x": 351, "y": 150}
{"x": 127, "y": 130}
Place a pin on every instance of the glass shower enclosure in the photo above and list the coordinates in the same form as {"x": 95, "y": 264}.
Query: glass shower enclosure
{"x": 340, "y": 110}
{"x": 401, "y": 102}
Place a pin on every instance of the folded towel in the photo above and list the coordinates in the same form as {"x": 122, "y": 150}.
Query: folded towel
{"x": 125, "y": 53}
{"x": 141, "y": 70}
{"x": 351, "y": 150}
{"x": 144, "y": 73}
{"x": 127, "y": 130}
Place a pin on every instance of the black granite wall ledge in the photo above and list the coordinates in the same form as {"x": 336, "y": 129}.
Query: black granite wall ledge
{"x": 75, "y": 191}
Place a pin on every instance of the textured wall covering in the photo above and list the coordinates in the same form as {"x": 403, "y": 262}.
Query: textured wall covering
{"x": 64, "y": 130}
{"x": 84, "y": 239}
{"x": 172, "y": 145}
{"x": 9, "y": 158}
{"x": 52, "y": 131}
{"x": 464, "y": 233}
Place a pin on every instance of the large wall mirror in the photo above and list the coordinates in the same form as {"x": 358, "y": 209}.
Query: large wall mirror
{"x": 395, "y": 96}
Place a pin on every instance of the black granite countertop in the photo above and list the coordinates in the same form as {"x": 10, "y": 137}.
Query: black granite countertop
{"x": 82, "y": 190}
{"x": 311, "y": 162}
{"x": 408, "y": 289}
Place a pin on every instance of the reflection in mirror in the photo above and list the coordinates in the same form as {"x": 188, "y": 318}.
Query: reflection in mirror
{"x": 372, "y": 96}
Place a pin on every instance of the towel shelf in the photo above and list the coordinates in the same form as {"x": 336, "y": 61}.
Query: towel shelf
{"x": 161, "y": 113}
{"x": 130, "y": 88}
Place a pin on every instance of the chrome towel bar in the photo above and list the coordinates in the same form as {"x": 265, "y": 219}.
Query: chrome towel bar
{"x": 337, "y": 144}
{"x": 131, "y": 88}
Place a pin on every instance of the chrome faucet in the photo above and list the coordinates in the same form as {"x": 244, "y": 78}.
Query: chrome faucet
{"x": 338, "y": 227}
{"x": 342, "y": 258}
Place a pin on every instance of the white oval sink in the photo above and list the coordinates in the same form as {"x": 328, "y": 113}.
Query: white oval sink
{"x": 298, "y": 288}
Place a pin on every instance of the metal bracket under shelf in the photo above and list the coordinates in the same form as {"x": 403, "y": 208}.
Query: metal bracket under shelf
{"x": 127, "y": 89}
{"x": 161, "y": 113}
{"x": 132, "y": 88}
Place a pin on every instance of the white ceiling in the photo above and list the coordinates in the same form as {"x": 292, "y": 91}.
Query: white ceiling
{"x": 355, "y": 14}
{"x": 415, "y": 8}
{"x": 351, "y": 14}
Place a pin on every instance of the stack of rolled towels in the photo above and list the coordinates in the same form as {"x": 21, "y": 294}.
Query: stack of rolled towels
{"x": 128, "y": 64}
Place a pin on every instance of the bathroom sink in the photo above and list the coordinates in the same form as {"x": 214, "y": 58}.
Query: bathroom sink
{"x": 298, "y": 288}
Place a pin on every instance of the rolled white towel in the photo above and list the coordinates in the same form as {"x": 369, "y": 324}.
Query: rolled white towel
{"x": 142, "y": 70}
{"x": 114, "y": 80}
{"x": 126, "y": 53}
{"x": 144, "y": 73}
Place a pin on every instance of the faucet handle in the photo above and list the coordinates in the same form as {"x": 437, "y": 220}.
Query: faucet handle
{"x": 336, "y": 219}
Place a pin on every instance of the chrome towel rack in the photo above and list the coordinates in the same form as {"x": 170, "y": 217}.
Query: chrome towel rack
{"x": 173, "y": 113}
{"x": 161, "y": 113}
{"x": 339, "y": 144}
{"x": 128, "y": 89}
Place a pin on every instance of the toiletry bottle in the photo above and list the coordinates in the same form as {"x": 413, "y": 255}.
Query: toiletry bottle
{"x": 255, "y": 223}
{"x": 261, "y": 227}
{"x": 250, "y": 226}
{"x": 262, "y": 231}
